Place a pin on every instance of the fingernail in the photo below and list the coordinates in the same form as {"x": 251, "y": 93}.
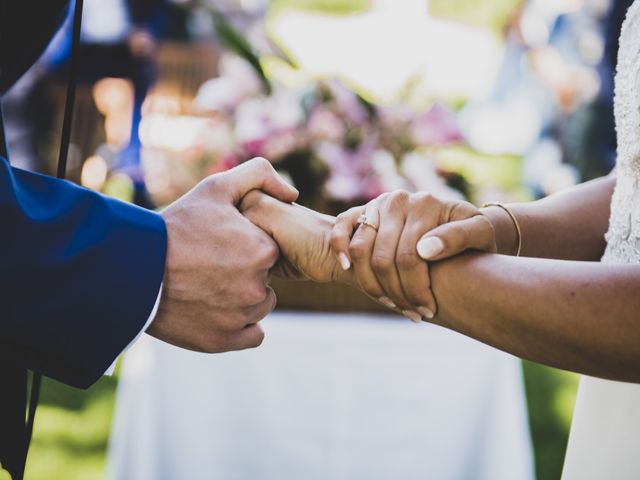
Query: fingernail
{"x": 430, "y": 247}
{"x": 426, "y": 312}
{"x": 387, "y": 302}
{"x": 413, "y": 316}
{"x": 344, "y": 261}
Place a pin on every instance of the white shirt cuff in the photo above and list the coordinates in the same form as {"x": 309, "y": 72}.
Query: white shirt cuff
{"x": 112, "y": 368}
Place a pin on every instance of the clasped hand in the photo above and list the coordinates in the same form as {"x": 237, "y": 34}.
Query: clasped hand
{"x": 379, "y": 248}
{"x": 232, "y": 231}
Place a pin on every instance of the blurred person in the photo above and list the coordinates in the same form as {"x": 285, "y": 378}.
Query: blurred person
{"x": 83, "y": 275}
{"x": 28, "y": 118}
{"x": 119, "y": 39}
{"x": 604, "y": 153}
{"x": 554, "y": 94}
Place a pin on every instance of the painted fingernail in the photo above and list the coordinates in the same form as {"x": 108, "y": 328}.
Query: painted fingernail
{"x": 415, "y": 317}
{"x": 426, "y": 312}
{"x": 430, "y": 247}
{"x": 387, "y": 302}
{"x": 344, "y": 261}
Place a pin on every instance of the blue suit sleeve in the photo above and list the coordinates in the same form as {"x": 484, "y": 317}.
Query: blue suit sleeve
{"x": 79, "y": 274}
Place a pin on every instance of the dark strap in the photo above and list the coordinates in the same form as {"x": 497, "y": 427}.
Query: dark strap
{"x": 71, "y": 91}
{"x": 15, "y": 440}
{"x": 12, "y": 408}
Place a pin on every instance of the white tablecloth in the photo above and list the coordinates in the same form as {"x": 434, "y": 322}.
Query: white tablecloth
{"x": 327, "y": 397}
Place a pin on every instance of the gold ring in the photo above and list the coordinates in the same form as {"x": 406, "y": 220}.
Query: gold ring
{"x": 362, "y": 220}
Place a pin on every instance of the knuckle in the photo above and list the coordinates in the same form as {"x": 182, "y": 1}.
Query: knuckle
{"x": 270, "y": 249}
{"x": 378, "y": 201}
{"x": 425, "y": 201}
{"x": 238, "y": 319}
{"x": 407, "y": 260}
{"x": 399, "y": 198}
{"x": 371, "y": 289}
{"x": 423, "y": 198}
{"x": 255, "y": 295}
{"x": 346, "y": 216}
{"x": 258, "y": 338}
{"x": 358, "y": 250}
{"x": 212, "y": 183}
{"x": 272, "y": 298}
{"x": 265, "y": 252}
{"x": 262, "y": 164}
{"x": 337, "y": 238}
{"x": 382, "y": 262}
{"x": 252, "y": 337}
{"x": 418, "y": 229}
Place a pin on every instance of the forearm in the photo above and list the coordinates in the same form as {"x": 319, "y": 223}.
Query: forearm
{"x": 569, "y": 225}
{"x": 576, "y": 316}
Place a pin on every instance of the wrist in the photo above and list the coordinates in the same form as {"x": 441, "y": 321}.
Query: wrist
{"x": 505, "y": 230}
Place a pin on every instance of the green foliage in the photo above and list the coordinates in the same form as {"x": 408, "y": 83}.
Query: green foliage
{"x": 237, "y": 43}
{"x": 71, "y": 432}
{"x": 551, "y": 395}
{"x": 503, "y": 171}
{"x": 322, "y": 6}
{"x": 492, "y": 13}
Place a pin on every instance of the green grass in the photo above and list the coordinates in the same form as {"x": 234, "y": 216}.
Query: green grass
{"x": 72, "y": 431}
{"x": 551, "y": 395}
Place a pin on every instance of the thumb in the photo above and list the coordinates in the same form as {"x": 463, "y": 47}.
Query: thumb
{"x": 258, "y": 174}
{"x": 258, "y": 208}
{"x": 449, "y": 239}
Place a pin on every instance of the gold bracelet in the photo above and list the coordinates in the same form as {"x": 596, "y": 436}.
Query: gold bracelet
{"x": 513, "y": 219}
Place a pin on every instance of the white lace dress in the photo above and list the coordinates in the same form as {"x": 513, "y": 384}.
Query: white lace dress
{"x": 605, "y": 435}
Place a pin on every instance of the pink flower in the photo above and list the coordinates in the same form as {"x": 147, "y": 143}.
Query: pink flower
{"x": 325, "y": 125}
{"x": 436, "y": 127}
{"x": 347, "y": 103}
{"x": 351, "y": 176}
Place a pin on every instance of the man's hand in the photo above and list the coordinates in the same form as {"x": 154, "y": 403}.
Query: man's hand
{"x": 302, "y": 235}
{"x": 218, "y": 263}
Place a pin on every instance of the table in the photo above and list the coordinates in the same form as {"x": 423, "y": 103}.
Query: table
{"x": 327, "y": 397}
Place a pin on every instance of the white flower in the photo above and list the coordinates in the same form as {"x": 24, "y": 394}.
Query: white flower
{"x": 218, "y": 94}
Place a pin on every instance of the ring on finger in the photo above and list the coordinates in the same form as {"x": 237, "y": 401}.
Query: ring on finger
{"x": 362, "y": 220}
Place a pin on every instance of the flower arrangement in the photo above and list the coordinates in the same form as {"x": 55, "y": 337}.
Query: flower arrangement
{"x": 337, "y": 148}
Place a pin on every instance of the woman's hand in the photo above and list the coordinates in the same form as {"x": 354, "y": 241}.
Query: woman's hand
{"x": 302, "y": 235}
{"x": 388, "y": 240}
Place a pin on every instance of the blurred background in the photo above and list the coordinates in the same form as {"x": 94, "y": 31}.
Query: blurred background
{"x": 488, "y": 100}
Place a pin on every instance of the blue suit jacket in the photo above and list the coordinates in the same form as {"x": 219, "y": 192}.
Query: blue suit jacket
{"x": 79, "y": 272}
{"x": 79, "y": 275}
